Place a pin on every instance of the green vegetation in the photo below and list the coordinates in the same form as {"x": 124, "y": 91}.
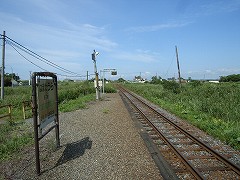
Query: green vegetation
{"x": 121, "y": 80}
{"x": 213, "y": 108}
{"x": 105, "y": 111}
{"x": 16, "y": 134}
{"x": 9, "y": 77}
{"x": 230, "y": 78}
{"x": 78, "y": 103}
{"x": 13, "y": 138}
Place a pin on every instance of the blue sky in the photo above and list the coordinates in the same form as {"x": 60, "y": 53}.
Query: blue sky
{"x": 133, "y": 36}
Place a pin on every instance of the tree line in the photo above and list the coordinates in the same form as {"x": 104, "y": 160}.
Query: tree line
{"x": 8, "y": 78}
{"x": 230, "y": 78}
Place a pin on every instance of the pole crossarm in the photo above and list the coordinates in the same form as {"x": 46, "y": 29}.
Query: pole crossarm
{"x": 105, "y": 70}
{"x": 108, "y": 70}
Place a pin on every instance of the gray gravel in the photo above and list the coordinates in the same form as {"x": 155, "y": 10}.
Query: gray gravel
{"x": 99, "y": 142}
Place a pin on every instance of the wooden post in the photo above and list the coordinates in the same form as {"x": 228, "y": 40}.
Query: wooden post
{"x": 179, "y": 75}
{"x": 3, "y": 66}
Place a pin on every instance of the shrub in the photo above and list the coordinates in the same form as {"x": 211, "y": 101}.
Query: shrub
{"x": 171, "y": 86}
{"x": 195, "y": 83}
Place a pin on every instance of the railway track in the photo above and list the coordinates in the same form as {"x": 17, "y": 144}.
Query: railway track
{"x": 188, "y": 156}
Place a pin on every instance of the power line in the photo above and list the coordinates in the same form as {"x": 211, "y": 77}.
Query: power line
{"x": 41, "y": 67}
{"x": 12, "y": 44}
{"x": 35, "y": 55}
{"x": 170, "y": 65}
{"x": 72, "y": 75}
{"x": 26, "y": 58}
{"x": 40, "y": 57}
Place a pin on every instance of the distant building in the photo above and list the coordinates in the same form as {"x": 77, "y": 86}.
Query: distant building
{"x": 139, "y": 79}
{"x": 14, "y": 83}
{"x": 214, "y": 81}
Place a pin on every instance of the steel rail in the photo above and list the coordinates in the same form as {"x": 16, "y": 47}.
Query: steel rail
{"x": 188, "y": 165}
{"x": 220, "y": 157}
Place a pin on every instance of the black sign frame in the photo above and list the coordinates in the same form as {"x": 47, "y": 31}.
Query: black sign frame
{"x": 35, "y": 111}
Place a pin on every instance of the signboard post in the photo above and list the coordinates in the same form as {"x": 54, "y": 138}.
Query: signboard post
{"x": 113, "y": 72}
{"x": 45, "y": 109}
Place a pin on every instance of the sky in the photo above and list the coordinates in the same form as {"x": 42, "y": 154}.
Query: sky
{"x": 135, "y": 37}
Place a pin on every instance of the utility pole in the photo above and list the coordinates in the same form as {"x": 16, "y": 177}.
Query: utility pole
{"x": 87, "y": 75}
{"x": 3, "y": 66}
{"x": 94, "y": 54}
{"x": 179, "y": 75}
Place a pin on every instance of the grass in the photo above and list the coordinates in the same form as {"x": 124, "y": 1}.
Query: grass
{"x": 105, "y": 111}
{"x": 17, "y": 134}
{"x": 78, "y": 103}
{"x": 13, "y": 138}
{"x": 214, "y": 108}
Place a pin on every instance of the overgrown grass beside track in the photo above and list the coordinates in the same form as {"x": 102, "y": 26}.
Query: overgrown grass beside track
{"x": 16, "y": 134}
{"x": 214, "y": 108}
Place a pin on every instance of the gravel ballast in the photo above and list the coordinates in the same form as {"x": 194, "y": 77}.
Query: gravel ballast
{"x": 99, "y": 142}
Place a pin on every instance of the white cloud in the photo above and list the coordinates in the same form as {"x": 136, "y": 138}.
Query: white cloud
{"x": 228, "y": 71}
{"x": 81, "y": 36}
{"x": 212, "y": 73}
{"x": 137, "y": 56}
{"x": 157, "y": 27}
{"x": 69, "y": 46}
{"x": 220, "y": 6}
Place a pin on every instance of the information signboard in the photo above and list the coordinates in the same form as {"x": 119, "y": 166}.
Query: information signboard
{"x": 113, "y": 73}
{"x": 46, "y": 102}
{"x": 45, "y": 108}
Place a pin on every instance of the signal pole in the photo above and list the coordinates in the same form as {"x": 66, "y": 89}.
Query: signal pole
{"x": 179, "y": 75}
{"x": 94, "y": 54}
{"x": 3, "y": 66}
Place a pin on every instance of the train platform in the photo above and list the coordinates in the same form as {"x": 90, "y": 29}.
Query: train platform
{"x": 98, "y": 142}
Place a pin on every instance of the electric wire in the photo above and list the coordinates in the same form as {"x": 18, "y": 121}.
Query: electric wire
{"x": 26, "y": 50}
{"x": 12, "y": 45}
{"x": 26, "y": 58}
{"x": 71, "y": 75}
{"x": 37, "y": 56}
{"x": 41, "y": 58}
{"x": 8, "y": 42}
{"x": 169, "y": 66}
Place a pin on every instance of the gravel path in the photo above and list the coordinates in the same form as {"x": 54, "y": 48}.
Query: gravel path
{"x": 99, "y": 142}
